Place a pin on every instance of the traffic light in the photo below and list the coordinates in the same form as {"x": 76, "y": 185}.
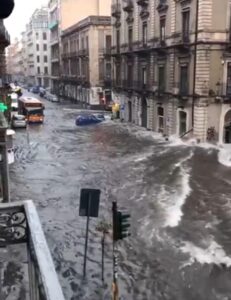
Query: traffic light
{"x": 123, "y": 225}
{"x": 120, "y": 224}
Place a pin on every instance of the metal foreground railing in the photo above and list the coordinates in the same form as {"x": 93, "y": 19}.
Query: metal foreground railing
{"x": 20, "y": 224}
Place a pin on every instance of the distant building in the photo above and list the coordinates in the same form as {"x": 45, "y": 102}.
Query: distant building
{"x": 55, "y": 41}
{"x": 14, "y": 61}
{"x": 37, "y": 39}
{"x": 62, "y": 15}
{"x": 86, "y": 65}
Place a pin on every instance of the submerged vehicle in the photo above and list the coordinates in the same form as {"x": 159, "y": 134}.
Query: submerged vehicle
{"x": 91, "y": 119}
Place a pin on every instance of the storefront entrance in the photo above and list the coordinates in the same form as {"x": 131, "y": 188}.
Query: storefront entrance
{"x": 129, "y": 111}
{"x": 182, "y": 122}
{"x": 227, "y": 128}
{"x": 144, "y": 116}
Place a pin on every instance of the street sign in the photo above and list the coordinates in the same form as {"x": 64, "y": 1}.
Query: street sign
{"x": 89, "y": 207}
{"x": 89, "y": 203}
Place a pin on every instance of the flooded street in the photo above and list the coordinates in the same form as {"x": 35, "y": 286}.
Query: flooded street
{"x": 178, "y": 196}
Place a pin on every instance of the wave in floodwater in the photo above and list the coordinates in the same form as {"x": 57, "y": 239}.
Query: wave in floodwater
{"x": 213, "y": 254}
{"x": 224, "y": 155}
{"x": 172, "y": 199}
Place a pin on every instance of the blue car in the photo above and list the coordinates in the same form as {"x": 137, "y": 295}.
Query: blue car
{"x": 83, "y": 120}
{"x": 35, "y": 90}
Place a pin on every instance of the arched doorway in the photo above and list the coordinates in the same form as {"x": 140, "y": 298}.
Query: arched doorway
{"x": 144, "y": 115}
{"x": 227, "y": 128}
{"x": 129, "y": 111}
{"x": 182, "y": 122}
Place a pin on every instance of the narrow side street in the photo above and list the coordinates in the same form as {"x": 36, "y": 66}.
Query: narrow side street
{"x": 178, "y": 196}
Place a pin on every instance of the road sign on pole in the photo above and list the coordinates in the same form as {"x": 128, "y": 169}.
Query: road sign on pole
{"x": 89, "y": 207}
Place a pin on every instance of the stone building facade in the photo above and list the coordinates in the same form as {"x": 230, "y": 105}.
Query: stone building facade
{"x": 62, "y": 15}
{"x": 86, "y": 62}
{"x": 172, "y": 66}
{"x": 36, "y": 44}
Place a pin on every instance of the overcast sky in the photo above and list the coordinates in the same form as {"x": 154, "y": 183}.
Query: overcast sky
{"x": 23, "y": 10}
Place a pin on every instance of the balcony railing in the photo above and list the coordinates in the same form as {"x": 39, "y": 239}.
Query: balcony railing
{"x": 142, "y": 2}
{"x": 115, "y": 50}
{"x": 107, "y": 81}
{"x": 181, "y": 89}
{"x": 162, "y": 5}
{"x": 107, "y": 51}
{"x": 128, "y": 6}
{"x": 182, "y": 40}
{"x": 116, "y": 10}
{"x": 223, "y": 90}
{"x": 142, "y": 47}
{"x": 128, "y": 84}
{"x": 83, "y": 52}
{"x": 20, "y": 224}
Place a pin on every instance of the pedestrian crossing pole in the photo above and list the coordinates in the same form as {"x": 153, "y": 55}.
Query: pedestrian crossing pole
{"x": 115, "y": 289}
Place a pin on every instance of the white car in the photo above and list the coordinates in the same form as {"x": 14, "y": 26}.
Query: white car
{"x": 51, "y": 97}
{"x": 19, "y": 121}
{"x": 54, "y": 98}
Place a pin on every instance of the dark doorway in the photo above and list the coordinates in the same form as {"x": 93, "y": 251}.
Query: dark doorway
{"x": 227, "y": 128}
{"x": 182, "y": 122}
{"x": 144, "y": 115}
{"x": 228, "y": 134}
{"x": 160, "y": 113}
{"x": 129, "y": 111}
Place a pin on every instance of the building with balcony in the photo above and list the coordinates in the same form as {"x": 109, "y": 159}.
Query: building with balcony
{"x": 62, "y": 15}
{"x": 55, "y": 40}
{"x": 86, "y": 62}
{"x": 172, "y": 66}
{"x": 14, "y": 61}
{"x": 36, "y": 47}
{"x": 4, "y": 42}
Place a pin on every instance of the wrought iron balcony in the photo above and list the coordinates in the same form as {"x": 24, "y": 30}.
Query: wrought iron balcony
{"x": 83, "y": 52}
{"x": 19, "y": 226}
{"x": 141, "y": 47}
{"x": 222, "y": 91}
{"x": 128, "y": 6}
{"x": 128, "y": 84}
{"x": 107, "y": 82}
{"x": 116, "y": 10}
{"x": 181, "y": 89}
{"x": 115, "y": 50}
{"x": 107, "y": 51}
{"x": 141, "y": 86}
{"x": 117, "y": 83}
{"x": 142, "y": 2}
{"x": 162, "y": 6}
{"x": 182, "y": 40}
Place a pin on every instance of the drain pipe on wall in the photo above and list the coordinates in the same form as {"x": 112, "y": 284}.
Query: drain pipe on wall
{"x": 195, "y": 61}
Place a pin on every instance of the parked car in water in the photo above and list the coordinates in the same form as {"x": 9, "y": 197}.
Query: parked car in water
{"x": 51, "y": 97}
{"x": 42, "y": 92}
{"x": 19, "y": 121}
{"x": 35, "y": 89}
